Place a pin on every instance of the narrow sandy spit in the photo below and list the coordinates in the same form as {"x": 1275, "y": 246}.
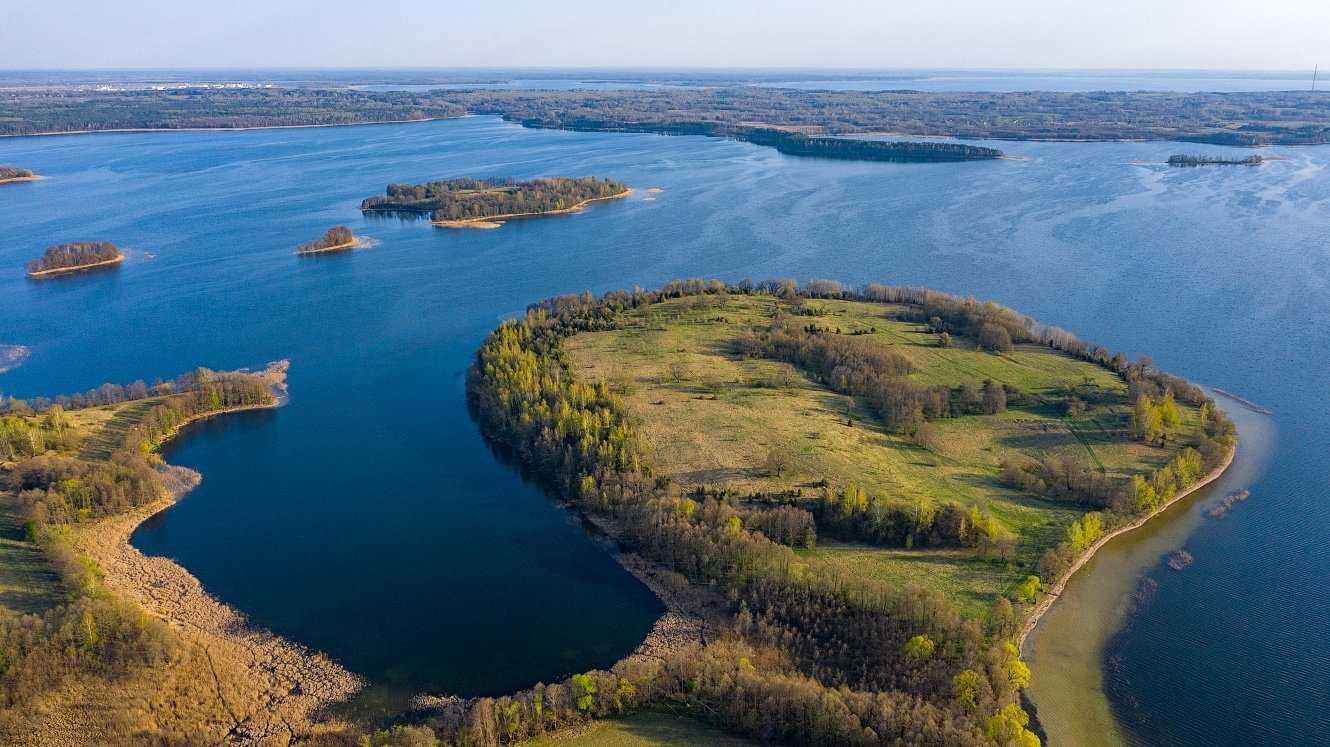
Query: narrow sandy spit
{"x": 1055, "y": 593}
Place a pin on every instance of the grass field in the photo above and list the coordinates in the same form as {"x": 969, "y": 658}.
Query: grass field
{"x": 646, "y": 729}
{"x": 28, "y": 583}
{"x": 711, "y": 416}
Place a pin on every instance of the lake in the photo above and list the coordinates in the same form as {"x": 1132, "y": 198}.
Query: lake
{"x": 369, "y": 520}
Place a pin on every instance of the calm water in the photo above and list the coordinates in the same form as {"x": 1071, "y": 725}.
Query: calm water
{"x": 367, "y": 519}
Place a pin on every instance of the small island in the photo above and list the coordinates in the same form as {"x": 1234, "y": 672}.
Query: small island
{"x": 16, "y": 174}
{"x": 338, "y": 238}
{"x": 486, "y": 203}
{"x": 75, "y": 257}
{"x": 1196, "y": 160}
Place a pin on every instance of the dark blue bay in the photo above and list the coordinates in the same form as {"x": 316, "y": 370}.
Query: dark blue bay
{"x": 369, "y": 520}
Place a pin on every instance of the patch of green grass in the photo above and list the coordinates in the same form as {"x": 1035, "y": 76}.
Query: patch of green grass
{"x": 654, "y": 728}
{"x": 710, "y": 417}
{"x": 28, "y": 583}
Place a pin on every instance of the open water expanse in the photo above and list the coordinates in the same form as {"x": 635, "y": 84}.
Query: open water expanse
{"x": 368, "y": 519}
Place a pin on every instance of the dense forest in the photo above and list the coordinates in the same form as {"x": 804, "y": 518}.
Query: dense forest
{"x": 31, "y": 111}
{"x": 1248, "y": 118}
{"x": 1195, "y": 160}
{"x": 337, "y": 237}
{"x": 14, "y": 172}
{"x": 75, "y": 255}
{"x": 472, "y": 199}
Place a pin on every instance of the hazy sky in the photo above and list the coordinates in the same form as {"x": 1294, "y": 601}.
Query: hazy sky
{"x": 1274, "y": 34}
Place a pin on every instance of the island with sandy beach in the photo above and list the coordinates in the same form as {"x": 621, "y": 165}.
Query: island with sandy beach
{"x": 486, "y": 203}
{"x": 75, "y": 257}
{"x": 336, "y": 239}
{"x": 16, "y": 174}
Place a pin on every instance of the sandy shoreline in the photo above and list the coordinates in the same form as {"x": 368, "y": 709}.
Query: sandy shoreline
{"x": 1055, "y": 593}
{"x": 33, "y": 178}
{"x": 495, "y": 221}
{"x": 76, "y": 268}
{"x": 338, "y": 248}
{"x": 293, "y": 682}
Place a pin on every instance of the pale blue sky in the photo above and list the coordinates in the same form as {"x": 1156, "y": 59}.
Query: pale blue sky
{"x": 1214, "y": 34}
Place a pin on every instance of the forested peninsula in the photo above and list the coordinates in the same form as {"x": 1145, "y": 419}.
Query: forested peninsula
{"x": 16, "y": 174}
{"x": 1245, "y": 118}
{"x": 1195, "y": 160}
{"x": 876, "y": 486}
{"x": 74, "y": 257}
{"x": 336, "y": 239}
{"x": 487, "y": 202}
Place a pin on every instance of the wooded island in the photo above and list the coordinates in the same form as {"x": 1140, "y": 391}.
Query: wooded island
{"x": 80, "y": 255}
{"x": 1195, "y": 160}
{"x": 15, "y": 174}
{"x": 485, "y": 202}
{"x": 337, "y": 238}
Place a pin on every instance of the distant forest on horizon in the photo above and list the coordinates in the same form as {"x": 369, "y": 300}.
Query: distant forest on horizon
{"x": 1243, "y": 119}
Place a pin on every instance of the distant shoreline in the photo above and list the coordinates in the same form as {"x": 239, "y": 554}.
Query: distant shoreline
{"x": 76, "y": 268}
{"x": 495, "y": 221}
{"x": 133, "y": 130}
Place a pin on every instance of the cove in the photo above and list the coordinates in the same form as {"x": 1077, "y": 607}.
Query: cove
{"x": 368, "y": 519}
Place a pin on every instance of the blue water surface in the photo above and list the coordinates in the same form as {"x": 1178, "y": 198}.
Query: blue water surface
{"x": 369, "y": 520}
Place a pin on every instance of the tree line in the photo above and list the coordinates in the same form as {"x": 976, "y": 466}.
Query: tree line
{"x": 799, "y": 144}
{"x": 912, "y": 522}
{"x": 74, "y": 255}
{"x": 467, "y": 199}
{"x": 107, "y": 394}
{"x": 866, "y": 368}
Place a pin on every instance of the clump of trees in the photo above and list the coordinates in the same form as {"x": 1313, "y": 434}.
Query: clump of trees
{"x": 471, "y": 199}
{"x": 1066, "y": 478}
{"x": 918, "y": 522}
{"x": 337, "y": 237}
{"x": 14, "y": 172}
{"x": 77, "y": 254}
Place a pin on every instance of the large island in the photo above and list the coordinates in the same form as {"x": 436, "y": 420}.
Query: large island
{"x": 486, "y": 203}
{"x": 879, "y": 488}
